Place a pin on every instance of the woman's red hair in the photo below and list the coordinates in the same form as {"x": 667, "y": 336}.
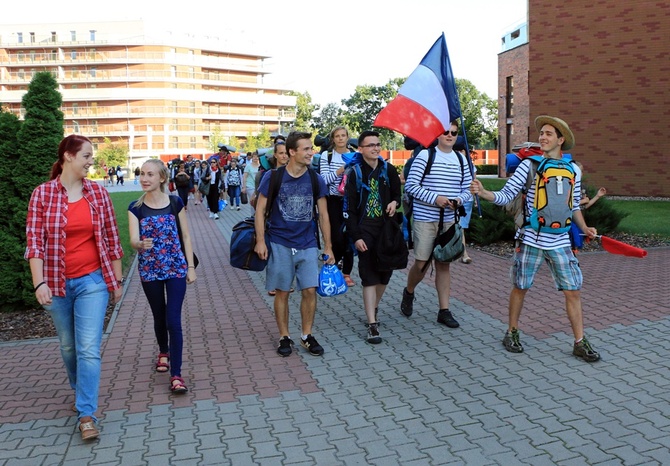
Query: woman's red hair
{"x": 71, "y": 144}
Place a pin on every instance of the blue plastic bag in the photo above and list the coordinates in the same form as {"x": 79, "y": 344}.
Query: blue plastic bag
{"x": 331, "y": 280}
{"x": 222, "y": 204}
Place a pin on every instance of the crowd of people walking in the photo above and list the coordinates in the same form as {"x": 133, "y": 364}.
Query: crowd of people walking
{"x": 344, "y": 208}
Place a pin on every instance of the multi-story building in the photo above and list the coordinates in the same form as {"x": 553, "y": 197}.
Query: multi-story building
{"x": 604, "y": 68}
{"x": 158, "y": 92}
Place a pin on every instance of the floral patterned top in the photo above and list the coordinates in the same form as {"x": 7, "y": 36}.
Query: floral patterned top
{"x": 165, "y": 260}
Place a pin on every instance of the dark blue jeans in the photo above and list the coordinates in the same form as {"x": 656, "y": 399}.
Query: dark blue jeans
{"x": 234, "y": 193}
{"x": 167, "y": 317}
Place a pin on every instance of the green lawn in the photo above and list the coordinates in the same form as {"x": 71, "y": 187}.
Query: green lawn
{"x": 121, "y": 201}
{"x": 645, "y": 217}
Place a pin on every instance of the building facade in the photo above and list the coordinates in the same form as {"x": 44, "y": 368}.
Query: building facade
{"x": 156, "y": 91}
{"x": 604, "y": 68}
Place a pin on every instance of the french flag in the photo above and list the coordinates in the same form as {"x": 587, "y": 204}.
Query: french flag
{"x": 428, "y": 101}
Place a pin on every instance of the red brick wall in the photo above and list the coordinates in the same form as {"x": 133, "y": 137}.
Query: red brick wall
{"x": 604, "y": 67}
{"x": 513, "y": 63}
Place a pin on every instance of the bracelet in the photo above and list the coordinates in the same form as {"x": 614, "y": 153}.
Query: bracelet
{"x": 38, "y": 285}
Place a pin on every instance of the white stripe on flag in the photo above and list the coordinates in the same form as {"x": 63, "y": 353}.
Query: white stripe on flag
{"x": 423, "y": 87}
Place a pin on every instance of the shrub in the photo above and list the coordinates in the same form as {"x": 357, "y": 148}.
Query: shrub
{"x": 487, "y": 169}
{"x": 493, "y": 226}
{"x": 602, "y": 215}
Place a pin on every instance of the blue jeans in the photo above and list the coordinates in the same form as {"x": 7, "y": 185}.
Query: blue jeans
{"x": 79, "y": 317}
{"x": 167, "y": 317}
{"x": 234, "y": 193}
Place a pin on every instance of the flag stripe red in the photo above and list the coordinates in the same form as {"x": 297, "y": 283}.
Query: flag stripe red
{"x": 409, "y": 117}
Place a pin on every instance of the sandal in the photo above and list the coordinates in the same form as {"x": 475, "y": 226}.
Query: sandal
{"x": 349, "y": 281}
{"x": 177, "y": 385}
{"x": 88, "y": 430}
{"x": 274, "y": 292}
{"x": 466, "y": 260}
{"x": 163, "y": 362}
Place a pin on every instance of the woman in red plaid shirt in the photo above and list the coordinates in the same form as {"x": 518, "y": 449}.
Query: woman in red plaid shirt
{"x": 75, "y": 260}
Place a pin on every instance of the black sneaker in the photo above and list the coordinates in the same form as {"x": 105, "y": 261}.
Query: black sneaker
{"x": 444, "y": 317}
{"x": 373, "y": 333}
{"x": 407, "y": 304}
{"x": 511, "y": 341}
{"x": 312, "y": 345}
{"x": 584, "y": 350}
{"x": 285, "y": 347}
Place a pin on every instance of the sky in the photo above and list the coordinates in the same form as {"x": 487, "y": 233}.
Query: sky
{"x": 324, "y": 48}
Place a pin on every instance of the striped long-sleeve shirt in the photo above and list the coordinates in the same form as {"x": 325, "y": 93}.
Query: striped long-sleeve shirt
{"x": 328, "y": 171}
{"x": 527, "y": 235}
{"x": 444, "y": 179}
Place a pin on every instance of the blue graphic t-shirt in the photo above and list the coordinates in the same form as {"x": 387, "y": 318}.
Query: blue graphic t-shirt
{"x": 291, "y": 223}
{"x": 165, "y": 260}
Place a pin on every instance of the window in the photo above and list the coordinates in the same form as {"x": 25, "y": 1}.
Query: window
{"x": 54, "y": 36}
{"x": 94, "y": 126}
{"x": 75, "y": 108}
{"x": 92, "y": 35}
{"x": 32, "y": 37}
{"x": 192, "y": 125}
{"x": 92, "y": 71}
{"x": 19, "y": 37}
{"x": 175, "y": 141}
{"x": 516, "y": 34}
{"x": 73, "y": 36}
{"x": 510, "y": 96}
{"x": 73, "y": 54}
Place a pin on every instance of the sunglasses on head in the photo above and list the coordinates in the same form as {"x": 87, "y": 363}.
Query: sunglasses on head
{"x": 453, "y": 133}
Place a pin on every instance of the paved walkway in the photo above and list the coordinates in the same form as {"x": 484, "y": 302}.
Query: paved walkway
{"x": 427, "y": 395}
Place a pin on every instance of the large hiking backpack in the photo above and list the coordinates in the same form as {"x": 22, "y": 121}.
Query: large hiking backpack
{"x": 554, "y": 188}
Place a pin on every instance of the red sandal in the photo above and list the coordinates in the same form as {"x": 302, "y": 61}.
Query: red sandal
{"x": 163, "y": 362}
{"x": 177, "y": 385}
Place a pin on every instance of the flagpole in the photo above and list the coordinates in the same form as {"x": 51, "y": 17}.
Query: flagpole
{"x": 467, "y": 155}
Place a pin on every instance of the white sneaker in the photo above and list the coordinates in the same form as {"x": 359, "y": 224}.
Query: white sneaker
{"x": 211, "y": 215}
{"x": 216, "y": 216}
{"x": 238, "y": 207}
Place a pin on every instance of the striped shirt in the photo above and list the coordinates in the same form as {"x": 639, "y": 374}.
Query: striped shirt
{"x": 527, "y": 235}
{"x": 444, "y": 179}
{"x": 45, "y": 231}
{"x": 327, "y": 171}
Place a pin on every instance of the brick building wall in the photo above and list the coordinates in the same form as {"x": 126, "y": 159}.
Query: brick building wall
{"x": 604, "y": 67}
{"x": 515, "y": 128}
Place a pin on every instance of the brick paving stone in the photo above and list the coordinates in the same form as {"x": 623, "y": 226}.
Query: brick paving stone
{"x": 426, "y": 395}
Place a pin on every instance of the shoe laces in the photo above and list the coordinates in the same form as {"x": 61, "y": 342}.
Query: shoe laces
{"x": 514, "y": 334}
{"x": 586, "y": 345}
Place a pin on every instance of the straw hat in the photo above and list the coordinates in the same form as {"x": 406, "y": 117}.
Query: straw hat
{"x": 560, "y": 125}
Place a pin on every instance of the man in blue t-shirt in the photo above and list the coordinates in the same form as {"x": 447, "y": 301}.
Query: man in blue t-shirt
{"x": 292, "y": 236}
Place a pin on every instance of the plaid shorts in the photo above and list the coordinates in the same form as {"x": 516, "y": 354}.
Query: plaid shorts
{"x": 562, "y": 262}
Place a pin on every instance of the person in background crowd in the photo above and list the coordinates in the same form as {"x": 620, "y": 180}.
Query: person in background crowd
{"x": 232, "y": 183}
{"x": 119, "y": 175}
{"x": 137, "y": 175}
{"x": 331, "y": 169}
{"x": 182, "y": 181}
{"x": 213, "y": 177}
{"x": 74, "y": 252}
{"x": 165, "y": 263}
{"x": 197, "y": 173}
{"x": 249, "y": 182}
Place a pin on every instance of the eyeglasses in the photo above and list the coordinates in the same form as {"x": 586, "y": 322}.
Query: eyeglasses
{"x": 372, "y": 146}
{"x": 453, "y": 133}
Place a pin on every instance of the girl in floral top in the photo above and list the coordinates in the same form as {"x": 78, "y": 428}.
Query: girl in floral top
{"x": 166, "y": 265}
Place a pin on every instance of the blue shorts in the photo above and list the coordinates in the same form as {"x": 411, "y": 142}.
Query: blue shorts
{"x": 562, "y": 262}
{"x": 465, "y": 221}
{"x": 285, "y": 264}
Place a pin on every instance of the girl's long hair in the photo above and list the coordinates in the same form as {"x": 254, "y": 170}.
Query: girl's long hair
{"x": 71, "y": 144}
{"x": 164, "y": 174}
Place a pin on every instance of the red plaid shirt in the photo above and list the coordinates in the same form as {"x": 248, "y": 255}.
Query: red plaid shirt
{"x": 45, "y": 231}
